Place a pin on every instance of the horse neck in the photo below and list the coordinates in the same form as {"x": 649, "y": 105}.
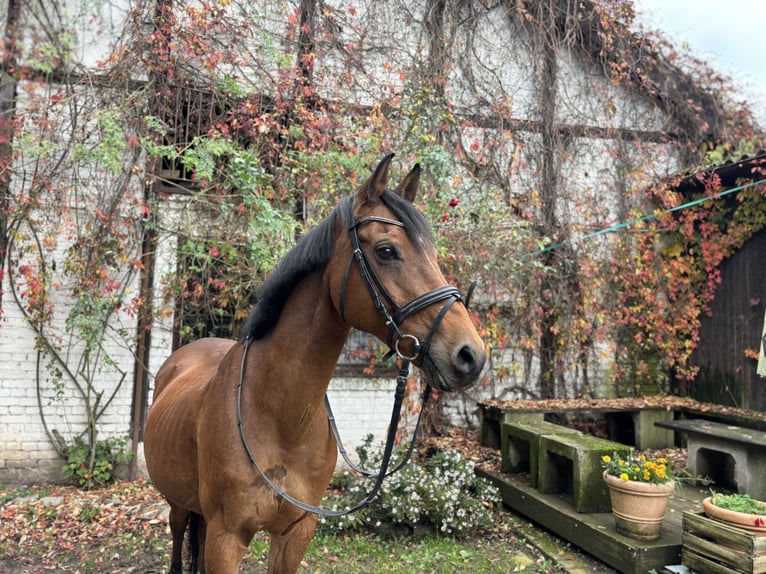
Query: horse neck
{"x": 295, "y": 362}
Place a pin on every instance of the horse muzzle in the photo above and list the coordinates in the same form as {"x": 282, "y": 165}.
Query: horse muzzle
{"x": 455, "y": 371}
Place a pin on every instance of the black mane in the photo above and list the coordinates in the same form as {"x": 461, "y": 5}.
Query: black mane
{"x": 312, "y": 251}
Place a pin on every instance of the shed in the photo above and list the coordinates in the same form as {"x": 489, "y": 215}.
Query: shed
{"x": 727, "y": 373}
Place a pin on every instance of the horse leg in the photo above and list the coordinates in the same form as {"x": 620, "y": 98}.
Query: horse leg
{"x": 224, "y": 549}
{"x": 287, "y": 549}
{"x": 196, "y": 543}
{"x": 179, "y": 518}
{"x": 201, "y": 533}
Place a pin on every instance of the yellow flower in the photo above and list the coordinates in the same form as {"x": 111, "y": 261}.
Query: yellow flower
{"x": 637, "y": 467}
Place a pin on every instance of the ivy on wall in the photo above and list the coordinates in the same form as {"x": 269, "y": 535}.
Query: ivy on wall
{"x": 522, "y": 162}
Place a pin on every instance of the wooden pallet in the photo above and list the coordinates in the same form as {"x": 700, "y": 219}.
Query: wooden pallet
{"x": 712, "y": 547}
{"x": 595, "y": 533}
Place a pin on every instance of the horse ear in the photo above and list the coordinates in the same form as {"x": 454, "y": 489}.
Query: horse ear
{"x": 408, "y": 188}
{"x": 374, "y": 187}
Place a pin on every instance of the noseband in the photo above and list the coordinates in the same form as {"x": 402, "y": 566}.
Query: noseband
{"x": 396, "y": 315}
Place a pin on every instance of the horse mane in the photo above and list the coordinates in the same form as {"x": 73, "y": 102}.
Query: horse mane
{"x": 312, "y": 251}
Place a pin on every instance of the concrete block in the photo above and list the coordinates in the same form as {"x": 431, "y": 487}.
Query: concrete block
{"x": 732, "y": 456}
{"x": 647, "y": 434}
{"x": 572, "y": 464}
{"x": 637, "y": 428}
{"x": 520, "y": 446}
{"x": 730, "y": 465}
{"x": 492, "y": 417}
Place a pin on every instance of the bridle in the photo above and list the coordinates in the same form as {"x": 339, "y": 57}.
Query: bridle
{"x": 394, "y": 316}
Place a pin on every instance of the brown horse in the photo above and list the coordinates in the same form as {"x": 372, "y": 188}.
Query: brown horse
{"x": 371, "y": 265}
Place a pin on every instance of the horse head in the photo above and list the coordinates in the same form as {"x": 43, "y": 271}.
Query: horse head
{"x": 385, "y": 280}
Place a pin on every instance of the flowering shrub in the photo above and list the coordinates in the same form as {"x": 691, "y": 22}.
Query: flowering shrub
{"x": 441, "y": 493}
{"x": 637, "y": 467}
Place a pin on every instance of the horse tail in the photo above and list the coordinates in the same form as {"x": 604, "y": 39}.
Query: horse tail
{"x": 194, "y": 534}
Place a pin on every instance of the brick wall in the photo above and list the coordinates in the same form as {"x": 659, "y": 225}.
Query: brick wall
{"x": 27, "y": 389}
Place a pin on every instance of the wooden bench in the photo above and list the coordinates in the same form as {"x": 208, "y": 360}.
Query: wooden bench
{"x": 520, "y": 445}
{"x": 730, "y": 455}
{"x": 572, "y": 463}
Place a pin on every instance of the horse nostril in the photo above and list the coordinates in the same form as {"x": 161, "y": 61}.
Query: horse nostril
{"x": 465, "y": 360}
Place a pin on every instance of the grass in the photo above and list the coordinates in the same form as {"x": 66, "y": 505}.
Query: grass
{"x": 370, "y": 553}
{"x": 363, "y": 552}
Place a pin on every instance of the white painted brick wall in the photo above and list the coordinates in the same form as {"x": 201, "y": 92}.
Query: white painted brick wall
{"x": 361, "y": 407}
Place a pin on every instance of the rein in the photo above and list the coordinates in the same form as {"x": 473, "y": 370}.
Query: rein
{"x": 393, "y": 319}
{"x": 401, "y": 382}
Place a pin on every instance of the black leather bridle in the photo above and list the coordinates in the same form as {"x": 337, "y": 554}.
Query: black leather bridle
{"x": 394, "y": 316}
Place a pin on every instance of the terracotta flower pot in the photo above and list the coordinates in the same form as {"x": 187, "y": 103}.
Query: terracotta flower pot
{"x": 755, "y": 523}
{"x": 638, "y": 507}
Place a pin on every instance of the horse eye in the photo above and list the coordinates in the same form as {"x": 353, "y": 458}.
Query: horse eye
{"x": 385, "y": 253}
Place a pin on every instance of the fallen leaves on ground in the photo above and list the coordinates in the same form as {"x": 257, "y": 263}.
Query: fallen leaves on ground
{"x": 466, "y": 442}
{"x": 121, "y": 527}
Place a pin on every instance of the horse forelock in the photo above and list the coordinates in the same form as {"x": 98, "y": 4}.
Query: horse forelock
{"x": 312, "y": 251}
{"x": 415, "y": 224}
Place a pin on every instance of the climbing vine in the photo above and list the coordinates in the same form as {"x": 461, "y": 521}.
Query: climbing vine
{"x": 230, "y": 127}
{"x": 71, "y": 254}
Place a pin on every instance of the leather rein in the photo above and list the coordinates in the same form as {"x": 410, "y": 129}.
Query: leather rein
{"x": 394, "y": 315}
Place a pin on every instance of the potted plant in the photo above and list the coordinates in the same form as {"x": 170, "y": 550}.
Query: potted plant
{"x": 739, "y": 510}
{"x": 639, "y": 489}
